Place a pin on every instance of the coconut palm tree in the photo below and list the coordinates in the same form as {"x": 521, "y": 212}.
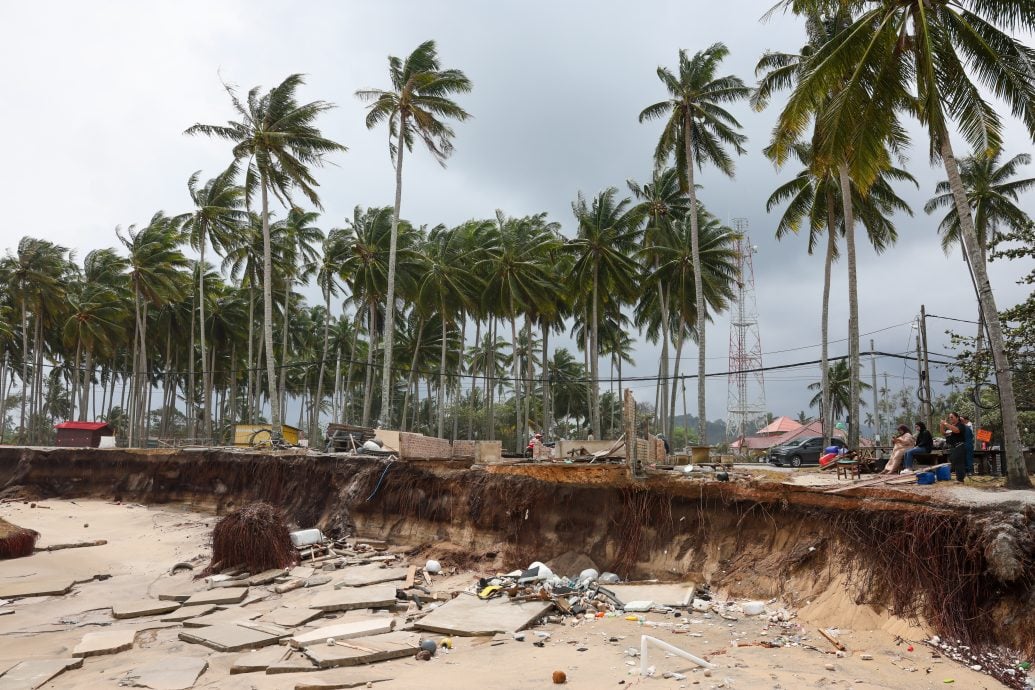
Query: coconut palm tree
{"x": 279, "y": 142}
{"x": 949, "y": 55}
{"x": 840, "y": 376}
{"x": 416, "y": 106}
{"x": 697, "y": 131}
{"x": 217, "y": 217}
{"x": 336, "y": 263}
{"x": 154, "y": 263}
{"x": 608, "y": 236}
{"x": 718, "y": 262}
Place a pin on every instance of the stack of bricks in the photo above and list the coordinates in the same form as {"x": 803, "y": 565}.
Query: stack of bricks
{"x": 421, "y": 447}
{"x": 465, "y": 450}
{"x": 485, "y": 452}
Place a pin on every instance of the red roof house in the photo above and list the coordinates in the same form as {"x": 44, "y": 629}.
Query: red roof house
{"x": 82, "y": 434}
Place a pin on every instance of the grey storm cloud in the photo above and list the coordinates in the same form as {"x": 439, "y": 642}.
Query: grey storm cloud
{"x": 97, "y": 96}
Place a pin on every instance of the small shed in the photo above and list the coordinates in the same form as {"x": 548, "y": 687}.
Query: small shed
{"x": 246, "y": 435}
{"x": 82, "y": 434}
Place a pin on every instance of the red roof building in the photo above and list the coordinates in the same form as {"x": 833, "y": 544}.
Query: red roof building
{"x": 82, "y": 434}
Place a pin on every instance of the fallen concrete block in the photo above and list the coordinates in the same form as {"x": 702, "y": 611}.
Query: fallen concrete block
{"x": 265, "y": 577}
{"x": 348, "y": 598}
{"x": 217, "y": 596}
{"x": 258, "y": 660}
{"x": 372, "y": 574}
{"x": 291, "y": 616}
{"x": 365, "y": 650}
{"x": 343, "y": 631}
{"x": 297, "y": 663}
{"x": 32, "y": 673}
{"x": 185, "y": 613}
{"x": 168, "y": 673}
{"x": 226, "y": 637}
{"x": 469, "y": 616}
{"x": 142, "y": 607}
{"x": 228, "y": 615}
{"x": 339, "y": 680}
{"x": 104, "y": 642}
{"x": 35, "y": 587}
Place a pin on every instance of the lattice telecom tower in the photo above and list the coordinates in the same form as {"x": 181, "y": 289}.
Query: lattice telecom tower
{"x": 745, "y": 406}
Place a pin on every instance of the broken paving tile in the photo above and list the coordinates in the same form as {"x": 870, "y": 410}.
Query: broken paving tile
{"x": 228, "y": 615}
{"x": 469, "y": 616}
{"x": 217, "y": 596}
{"x": 297, "y": 663}
{"x": 35, "y": 587}
{"x": 339, "y": 680}
{"x": 258, "y": 660}
{"x": 169, "y": 673}
{"x": 105, "y": 642}
{"x": 301, "y": 571}
{"x": 365, "y": 650}
{"x": 142, "y": 607}
{"x": 187, "y": 612}
{"x": 348, "y": 598}
{"x": 343, "y": 631}
{"x": 372, "y": 574}
{"x": 291, "y": 616}
{"x": 265, "y": 577}
{"x": 226, "y": 637}
{"x": 32, "y": 673}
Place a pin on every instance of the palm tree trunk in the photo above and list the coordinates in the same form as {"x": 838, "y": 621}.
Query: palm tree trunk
{"x": 529, "y": 373}
{"x": 133, "y": 400}
{"x": 249, "y": 399}
{"x": 346, "y": 394}
{"x": 516, "y": 369}
{"x": 206, "y": 374}
{"x": 276, "y": 421}
{"x": 368, "y": 397}
{"x": 675, "y": 376}
{"x": 282, "y": 390}
{"x": 84, "y": 393}
{"x": 547, "y": 419}
{"x": 25, "y": 371}
{"x": 695, "y": 251}
{"x": 74, "y": 397}
{"x": 410, "y": 377}
{"x": 474, "y": 382}
{"x": 594, "y": 357}
{"x": 491, "y": 394}
{"x": 323, "y": 362}
{"x": 191, "y": 422}
{"x": 335, "y": 416}
{"x": 853, "y": 307}
{"x": 665, "y": 337}
{"x": 824, "y": 361}
{"x": 442, "y": 376}
{"x": 389, "y": 336}
{"x": 1016, "y": 472}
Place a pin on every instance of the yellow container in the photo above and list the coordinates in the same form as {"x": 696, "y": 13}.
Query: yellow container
{"x": 246, "y": 435}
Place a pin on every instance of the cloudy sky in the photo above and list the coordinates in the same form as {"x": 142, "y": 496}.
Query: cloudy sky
{"x": 98, "y": 95}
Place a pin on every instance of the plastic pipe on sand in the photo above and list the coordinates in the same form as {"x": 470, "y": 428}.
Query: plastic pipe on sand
{"x": 668, "y": 648}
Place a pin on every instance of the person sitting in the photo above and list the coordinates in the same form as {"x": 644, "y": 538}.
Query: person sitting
{"x": 901, "y": 443}
{"x": 924, "y": 444}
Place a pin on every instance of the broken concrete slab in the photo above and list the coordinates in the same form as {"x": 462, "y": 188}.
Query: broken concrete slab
{"x": 217, "y": 596}
{"x": 258, "y": 660}
{"x": 226, "y": 637}
{"x": 105, "y": 642}
{"x": 35, "y": 587}
{"x": 365, "y": 650}
{"x": 291, "y": 616}
{"x": 228, "y": 615}
{"x": 169, "y": 673}
{"x": 675, "y": 595}
{"x": 32, "y": 673}
{"x": 469, "y": 616}
{"x": 372, "y": 574}
{"x": 142, "y": 607}
{"x": 187, "y": 612}
{"x": 297, "y": 663}
{"x": 348, "y": 598}
{"x": 336, "y": 680}
{"x": 301, "y": 571}
{"x": 342, "y": 631}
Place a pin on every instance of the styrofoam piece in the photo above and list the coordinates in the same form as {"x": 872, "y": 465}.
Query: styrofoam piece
{"x": 638, "y": 606}
{"x": 306, "y": 537}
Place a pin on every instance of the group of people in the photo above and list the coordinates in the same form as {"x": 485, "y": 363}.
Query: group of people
{"x": 959, "y": 439}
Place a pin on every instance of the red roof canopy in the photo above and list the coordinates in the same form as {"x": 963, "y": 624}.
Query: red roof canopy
{"x": 87, "y": 426}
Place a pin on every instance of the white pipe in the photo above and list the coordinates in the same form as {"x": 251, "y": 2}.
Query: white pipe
{"x": 644, "y": 639}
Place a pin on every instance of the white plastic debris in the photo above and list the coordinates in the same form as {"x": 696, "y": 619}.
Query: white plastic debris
{"x": 608, "y": 579}
{"x": 700, "y": 605}
{"x": 433, "y": 567}
{"x": 588, "y": 575}
{"x": 306, "y": 537}
{"x": 639, "y": 606}
{"x": 753, "y": 608}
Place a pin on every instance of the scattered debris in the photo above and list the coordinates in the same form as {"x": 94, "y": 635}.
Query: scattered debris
{"x": 365, "y": 650}
{"x": 229, "y": 637}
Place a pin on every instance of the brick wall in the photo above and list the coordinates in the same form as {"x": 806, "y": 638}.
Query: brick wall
{"x": 478, "y": 451}
{"x": 465, "y": 450}
{"x": 420, "y": 447}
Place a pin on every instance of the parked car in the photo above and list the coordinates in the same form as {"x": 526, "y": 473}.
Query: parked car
{"x": 801, "y": 451}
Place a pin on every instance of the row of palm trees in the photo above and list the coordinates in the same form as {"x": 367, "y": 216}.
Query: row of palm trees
{"x": 159, "y": 324}
{"x": 867, "y": 66}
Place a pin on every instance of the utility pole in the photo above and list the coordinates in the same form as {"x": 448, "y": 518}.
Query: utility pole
{"x": 873, "y": 386}
{"x": 927, "y": 363}
{"x": 884, "y": 394}
{"x": 920, "y": 373}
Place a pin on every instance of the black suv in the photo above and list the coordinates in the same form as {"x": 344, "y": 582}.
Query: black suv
{"x": 801, "y": 451}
